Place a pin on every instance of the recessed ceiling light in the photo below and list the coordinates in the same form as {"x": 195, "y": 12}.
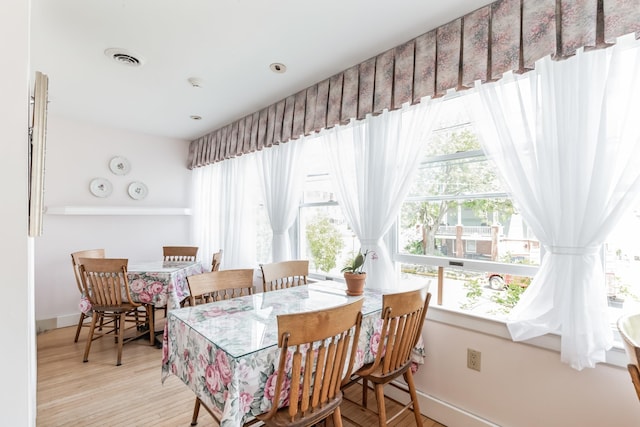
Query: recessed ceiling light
{"x": 277, "y": 67}
{"x": 196, "y": 82}
{"x": 194, "y": 117}
{"x": 124, "y": 56}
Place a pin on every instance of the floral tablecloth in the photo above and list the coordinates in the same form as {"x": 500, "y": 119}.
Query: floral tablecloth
{"x": 227, "y": 353}
{"x": 159, "y": 283}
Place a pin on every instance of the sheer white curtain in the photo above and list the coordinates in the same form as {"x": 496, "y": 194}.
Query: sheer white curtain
{"x": 224, "y": 212}
{"x": 567, "y": 143}
{"x": 281, "y": 174}
{"x": 372, "y": 164}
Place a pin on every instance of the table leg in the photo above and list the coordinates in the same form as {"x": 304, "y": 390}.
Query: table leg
{"x": 152, "y": 322}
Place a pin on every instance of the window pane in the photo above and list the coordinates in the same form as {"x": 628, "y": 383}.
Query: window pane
{"x": 325, "y": 239}
{"x": 622, "y": 266}
{"x": 458, "y": 209}
{"x": 456, "y": 177}
{"x": 457, "y": 206}
{"x": 468, "y": 290}
{"x": 446, "y": 228}
{"x": 264, "y": 234}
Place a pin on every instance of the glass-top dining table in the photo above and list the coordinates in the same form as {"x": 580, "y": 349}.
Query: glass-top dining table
{"x": 227, "y": 353}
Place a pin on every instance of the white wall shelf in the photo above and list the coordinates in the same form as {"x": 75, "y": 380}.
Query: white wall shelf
{"x": 114, "y": 210}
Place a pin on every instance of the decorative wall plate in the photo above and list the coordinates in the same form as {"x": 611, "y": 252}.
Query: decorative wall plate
{"x": 100, "y": 187}
{"x": 120, "y": 165}
{"x": 137, "y": 190}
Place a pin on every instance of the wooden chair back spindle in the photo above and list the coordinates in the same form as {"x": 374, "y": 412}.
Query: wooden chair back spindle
{"x": 216, "y": 260}
{"x": 75, "y": 261}
{"x": 285, "y": 274}
{"x": 219, "y": 285}
{"x": 180, "y": 253}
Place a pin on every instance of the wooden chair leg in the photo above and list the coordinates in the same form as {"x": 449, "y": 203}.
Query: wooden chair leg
{"x": 408, "y": 377}
{"x": 635, "y": 377}
{"x": 382, "y": 410}
{"x": 116, "y": 328}
{"x": 365, "y": 392}
{"x": 120, "y": 320}
{"x": 337, "y": 417}
{"x": 196, "y": 411}
{"x": 87, "y": 347}
{"x": 79, "y": 328}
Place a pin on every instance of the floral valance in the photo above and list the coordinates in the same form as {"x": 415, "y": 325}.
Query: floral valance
{"x": 503, "y": 36}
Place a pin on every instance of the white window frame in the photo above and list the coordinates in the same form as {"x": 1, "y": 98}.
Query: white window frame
{"x": 470, "y": 246}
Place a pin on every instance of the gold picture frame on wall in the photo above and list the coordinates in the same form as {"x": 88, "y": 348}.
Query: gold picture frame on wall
{"x": 37, "y": 140}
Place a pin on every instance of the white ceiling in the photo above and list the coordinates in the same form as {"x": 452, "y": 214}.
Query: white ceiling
{"x": 229, "y": 44}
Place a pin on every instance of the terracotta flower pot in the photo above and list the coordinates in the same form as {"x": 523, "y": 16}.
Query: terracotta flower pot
{"x": 355, "y": 283}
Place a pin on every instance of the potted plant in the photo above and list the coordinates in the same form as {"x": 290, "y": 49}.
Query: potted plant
{"x": 353, "y": 274}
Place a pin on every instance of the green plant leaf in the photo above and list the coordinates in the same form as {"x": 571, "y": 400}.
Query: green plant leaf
{"x": 358, "y": 261}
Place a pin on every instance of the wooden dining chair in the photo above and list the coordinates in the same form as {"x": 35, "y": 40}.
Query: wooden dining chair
{"x": 315, "y": 348}
{"x": 284, "y": 274}
{"x": 219, "y": 285}
{"x": 216, "y": 260}
{"x": 629, "y": 328}
{"x": 105, "y": 283}
{"x": 179, "y": 253}
{"x": 75, "y": 256}
{"x": 402, "y": 320}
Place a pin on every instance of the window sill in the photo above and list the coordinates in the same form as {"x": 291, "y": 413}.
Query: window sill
{"x": 615, "y": 356}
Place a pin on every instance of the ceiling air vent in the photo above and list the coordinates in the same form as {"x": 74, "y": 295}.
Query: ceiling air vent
{"x": 124, "y": 56}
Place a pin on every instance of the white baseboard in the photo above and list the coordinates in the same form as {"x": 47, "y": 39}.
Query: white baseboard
{"x": 43, "y": 325}
{"x": 441, "y": 411}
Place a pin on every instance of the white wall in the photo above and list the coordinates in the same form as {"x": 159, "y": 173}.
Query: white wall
{"x": 18, "y": 373}
{"x": 519, "y": 385}
{"x": 77, "y": 152}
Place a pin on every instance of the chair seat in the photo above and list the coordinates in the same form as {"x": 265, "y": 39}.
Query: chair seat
{"x": 125, "y": 308}
{"x": 376, "y": 376}
{"x": 282, "y": 418}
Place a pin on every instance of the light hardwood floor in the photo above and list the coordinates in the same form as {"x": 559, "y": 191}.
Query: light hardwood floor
{"x": 98, "y": 393}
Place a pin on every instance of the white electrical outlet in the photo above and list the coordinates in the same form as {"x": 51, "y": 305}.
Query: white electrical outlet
{"x": 473, "y": 359}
